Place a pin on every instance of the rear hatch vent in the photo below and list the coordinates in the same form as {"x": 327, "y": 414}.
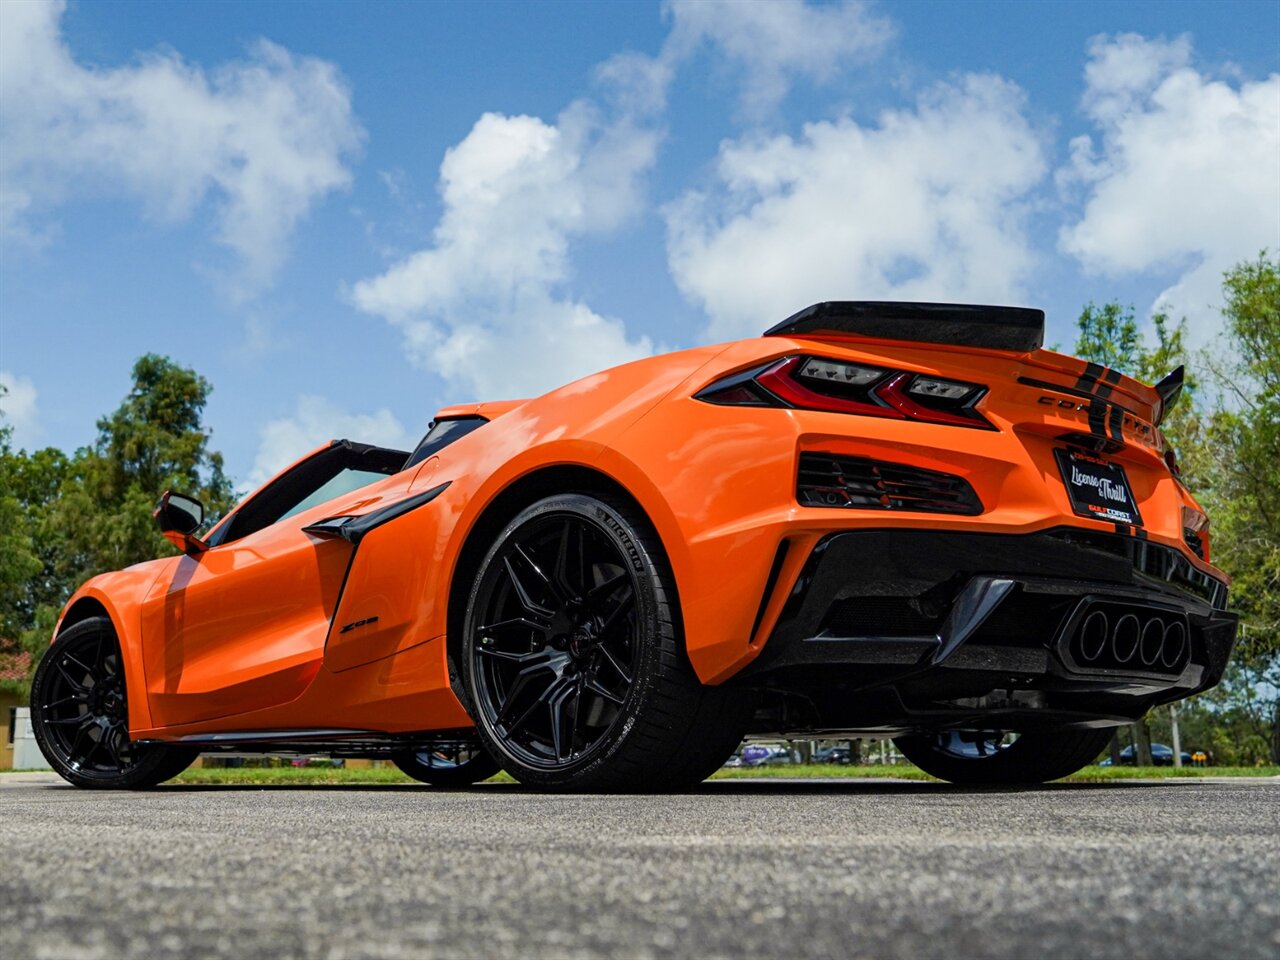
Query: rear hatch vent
{"x": 830, "y": 480}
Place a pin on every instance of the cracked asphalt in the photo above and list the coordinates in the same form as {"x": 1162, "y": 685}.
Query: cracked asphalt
{"x": 736, "y": 869}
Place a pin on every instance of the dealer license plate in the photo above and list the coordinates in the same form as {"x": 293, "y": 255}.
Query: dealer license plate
{"x": 1097, "y": 488}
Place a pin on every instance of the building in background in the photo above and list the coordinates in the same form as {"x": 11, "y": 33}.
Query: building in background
{"x": 14, "y": 669}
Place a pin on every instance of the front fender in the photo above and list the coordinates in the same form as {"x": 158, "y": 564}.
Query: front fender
{"x": 120, "y": 594}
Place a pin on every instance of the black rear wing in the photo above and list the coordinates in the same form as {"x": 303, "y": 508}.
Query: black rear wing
{"x": 1020, "y": 329}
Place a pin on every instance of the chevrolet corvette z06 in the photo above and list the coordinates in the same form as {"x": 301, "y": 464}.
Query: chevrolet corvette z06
{"x": 877, "y": 519}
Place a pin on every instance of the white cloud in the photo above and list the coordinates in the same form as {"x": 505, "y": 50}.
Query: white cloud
{"x": 314, "y": 423}
{"x": 18, "y": 397}
{"x": 1183, "y": 178}
{"x": 767, "y": 44}
{"x": 484, "y": 305}
{"x": 925, "y": 205}
{"x": 264, "y": 138}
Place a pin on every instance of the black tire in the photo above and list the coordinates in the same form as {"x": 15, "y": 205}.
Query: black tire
{"x": 978, "y": 757}
{"x": 451, "y": 766}
{"x": 574, "y": 609}
{"x": 79, "y": 712}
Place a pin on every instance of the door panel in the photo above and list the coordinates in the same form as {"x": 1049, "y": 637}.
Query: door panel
{"x": 241, "y": 626}
{"x": 392, "y": 588}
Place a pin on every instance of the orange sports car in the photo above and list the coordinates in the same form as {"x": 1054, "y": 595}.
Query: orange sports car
{"x": 878, "y": 519}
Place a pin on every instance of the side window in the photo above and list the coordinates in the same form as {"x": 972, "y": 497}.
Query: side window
{"x": 441, "y": 434}
{"x": 334, "y": 471}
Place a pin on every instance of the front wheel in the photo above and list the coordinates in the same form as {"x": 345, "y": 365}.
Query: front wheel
{"x": 448, "y": 765}
{"x": 573, "y": 664}
{"x": 80, "y": 715}
{"x": 1000, "y": 757}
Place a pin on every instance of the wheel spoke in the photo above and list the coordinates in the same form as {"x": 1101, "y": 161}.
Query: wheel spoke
{"x": 113, "y": 748}
{"x": 601, "y": 591}
{"x": 570, "y": 532}
{"x": 508, "y": 655}
{"x": 76, "y": 685}
{"x": 82, "y": 732}
{"x": 83, "y": 720}
{"x": 557, "y": 591}
{"x": 616, "y": 613}
{"x": 563, "y": 727}
{"x": 613, "y": 662}
{"x": 74, "y": 698}
{"x": 544, "y": 697}
{"x": 596, "y": 687}
{"x": 522, "y": 680}
{"x": 526, "y": 600}
{"x": 538, "y": 625}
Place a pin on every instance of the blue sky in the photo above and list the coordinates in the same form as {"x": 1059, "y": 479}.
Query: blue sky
{"x": 346, "y": 215}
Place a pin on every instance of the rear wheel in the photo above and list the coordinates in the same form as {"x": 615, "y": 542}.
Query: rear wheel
{"x": 572, "y": 661}
{"x": 80, "y": 715}
{"x": 1001, "y": 757}
{"x": 448, "y": 765}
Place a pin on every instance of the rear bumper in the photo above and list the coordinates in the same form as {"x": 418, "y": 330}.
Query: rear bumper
{"x": 915, "y": 629}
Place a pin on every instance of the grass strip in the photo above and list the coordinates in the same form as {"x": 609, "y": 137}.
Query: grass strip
{"x": 373, "y": 776}
{"x": 377, "y": 776}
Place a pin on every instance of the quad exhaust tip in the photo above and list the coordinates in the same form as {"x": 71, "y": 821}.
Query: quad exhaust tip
{"x": 1130, "y": 638}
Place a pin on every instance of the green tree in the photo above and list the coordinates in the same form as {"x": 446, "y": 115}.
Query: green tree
{"x": 1244, "y": 434}
{"x": 1109, "y": 336}
{"x": 91, "y": 512}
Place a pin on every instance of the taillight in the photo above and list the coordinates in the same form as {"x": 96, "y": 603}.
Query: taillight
{"x": 833, "y": 386}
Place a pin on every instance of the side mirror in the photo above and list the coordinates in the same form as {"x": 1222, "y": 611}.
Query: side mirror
{"x": 179, "y": 517}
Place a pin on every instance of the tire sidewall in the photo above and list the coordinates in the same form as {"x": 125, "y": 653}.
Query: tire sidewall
{"x": 152, "y": 759}
{"x": 654, "y": 634}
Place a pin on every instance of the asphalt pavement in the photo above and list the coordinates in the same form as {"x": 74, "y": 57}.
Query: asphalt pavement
{"x": 736, "y": 869}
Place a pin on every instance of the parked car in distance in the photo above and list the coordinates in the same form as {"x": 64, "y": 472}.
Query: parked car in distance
{"x": 765, "y": 755}
{"x": 1161, "y": 756}
{"x": 833, "y": 755}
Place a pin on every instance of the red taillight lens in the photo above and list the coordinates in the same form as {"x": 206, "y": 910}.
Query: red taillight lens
{"x": 833, "y": 386}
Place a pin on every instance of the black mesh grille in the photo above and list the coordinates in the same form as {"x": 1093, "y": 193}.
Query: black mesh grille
{"x": 827, "y": 480}
{"x": 878, "y": 617}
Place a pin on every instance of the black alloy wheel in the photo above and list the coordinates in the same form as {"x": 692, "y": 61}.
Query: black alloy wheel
{"x": 573, "y": 667}
{"x": 80, "y": 714}
{"x": 448, "y": 764}
{"x": 1003, "y": 757}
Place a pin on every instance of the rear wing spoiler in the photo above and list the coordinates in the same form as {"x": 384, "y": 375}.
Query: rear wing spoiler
{"x": 1019, "y": 329}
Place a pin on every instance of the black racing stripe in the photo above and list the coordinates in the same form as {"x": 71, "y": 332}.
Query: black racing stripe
{"x": 1098, "y": 418}
{"x": 1092, "y": 372}
{"x": 1113, "y": 376}
{"x": 1140, "y": 533}
{"x": 1122, "y": 528}
{"x": 1117, "y": 423}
